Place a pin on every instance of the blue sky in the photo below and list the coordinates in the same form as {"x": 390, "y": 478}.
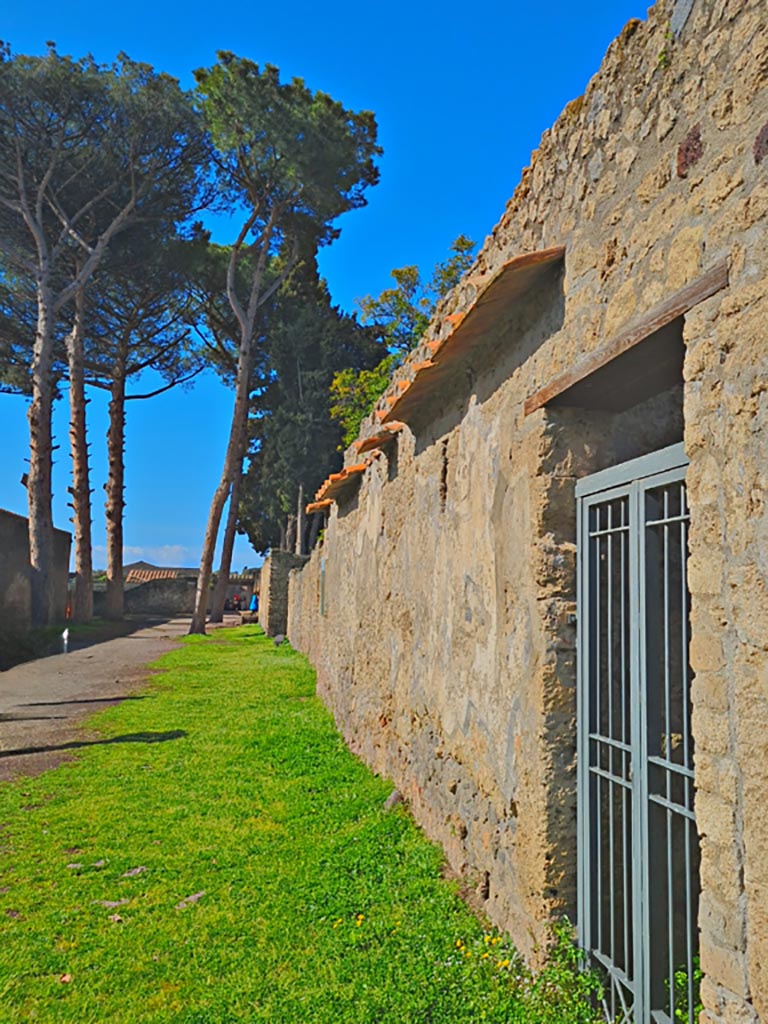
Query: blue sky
{"x": 461, "y": 95}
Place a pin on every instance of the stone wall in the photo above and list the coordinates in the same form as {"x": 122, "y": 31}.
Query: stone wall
{"x": 168, "y": 596}
{"x": 156, "y": 597}
{"x": 15, "y": 594}
{"x": 15, "y": 607}
{"x": 273, "y": 593}
{"x": 446, "y": 647}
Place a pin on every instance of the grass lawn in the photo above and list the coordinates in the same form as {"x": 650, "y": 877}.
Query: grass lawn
{"x": 237, "y": 865}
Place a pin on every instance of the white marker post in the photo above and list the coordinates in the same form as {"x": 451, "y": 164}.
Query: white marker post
{"x": 65, "y": 638}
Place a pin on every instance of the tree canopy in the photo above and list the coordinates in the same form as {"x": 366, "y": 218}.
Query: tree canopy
{"x": 294, "y": 441}
{"x": 400, "y": 316}
{"x": 102, "y": 275}
{"x": 291, "y": 161}
{"x": 86, "y": 151}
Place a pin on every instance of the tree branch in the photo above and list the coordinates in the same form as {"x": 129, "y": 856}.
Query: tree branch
{"x": 35, "y": 227}
{"x": 234, "y": 302}
{"x": 167, "y": 387}
{"x": 93, "y": 259}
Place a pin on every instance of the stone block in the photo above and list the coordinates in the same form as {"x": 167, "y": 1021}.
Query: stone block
{"x": 739, "y": 1013}
{"x": 706, "y": 652}
{"x": 721, "y": 877}
{"x": 620, "y": 308}
{"x": 711, "y": 999}
{"x": 684, "y": 260}
{"x": 715, "y": 818}
{"x": 725, "y": 967}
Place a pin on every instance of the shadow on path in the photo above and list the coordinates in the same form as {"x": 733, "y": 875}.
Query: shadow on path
{"x": 132, "y": 737}
{"x": 31, "y": 718}
{"x": 119, "y": 629}
{"x": 86, "y": 700}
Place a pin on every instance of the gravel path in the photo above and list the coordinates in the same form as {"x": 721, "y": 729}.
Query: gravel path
{"x": 43, "y": 702}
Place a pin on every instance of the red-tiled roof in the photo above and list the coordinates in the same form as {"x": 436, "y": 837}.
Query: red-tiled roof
{"x": 146, "y": 575}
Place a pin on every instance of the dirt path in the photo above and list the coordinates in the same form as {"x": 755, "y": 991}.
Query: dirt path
{"x": 43, "y": 702}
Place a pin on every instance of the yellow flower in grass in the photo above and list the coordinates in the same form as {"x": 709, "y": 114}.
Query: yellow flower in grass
{"x": 359, "y": 919}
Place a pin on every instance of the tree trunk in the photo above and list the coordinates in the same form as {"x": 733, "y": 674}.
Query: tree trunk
{"x": 228, "y": 543}
{"x": 82, "y": 610}
{"x": 301, "y": 520}
{"x": 39, "y": 492}
{"x": 290, "y": 534}
{"x": 317, "y": 524}
{"x": 115, "y": 488}
{"x": 233, "y": 462}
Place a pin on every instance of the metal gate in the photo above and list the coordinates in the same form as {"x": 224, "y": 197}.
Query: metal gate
{"x": 638, "y": 845}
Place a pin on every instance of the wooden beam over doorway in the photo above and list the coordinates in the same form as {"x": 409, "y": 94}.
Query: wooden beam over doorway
{"x": 637, "y": 331}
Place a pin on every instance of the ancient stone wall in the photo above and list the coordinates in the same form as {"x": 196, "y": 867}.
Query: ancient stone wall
{"x": 155, "y": 597}
{"x": 273, "y": 594}
{"x": 445, "y": 643}
{"x": 15, "y": 593}
{"x": 15, "y": 598}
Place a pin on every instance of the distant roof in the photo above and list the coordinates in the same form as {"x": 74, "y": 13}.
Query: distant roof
{"x": 143, "y": 572}
{"x": 142, "y": 566}
{"x": 134, "y": 575}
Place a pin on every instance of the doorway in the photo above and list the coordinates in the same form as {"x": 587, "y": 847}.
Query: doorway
{"x": 638, "y": 853}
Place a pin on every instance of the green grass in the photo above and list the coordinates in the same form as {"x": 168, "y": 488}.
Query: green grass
{"x": 317, "y": 905}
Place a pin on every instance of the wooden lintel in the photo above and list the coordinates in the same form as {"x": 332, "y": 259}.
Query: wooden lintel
{"x": 657, "y": 317}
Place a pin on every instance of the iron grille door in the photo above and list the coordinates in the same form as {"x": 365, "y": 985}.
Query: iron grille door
{"x": 638, "y": 846}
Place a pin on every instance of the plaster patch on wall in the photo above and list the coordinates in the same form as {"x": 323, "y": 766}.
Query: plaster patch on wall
{"x": 680, "y": 12}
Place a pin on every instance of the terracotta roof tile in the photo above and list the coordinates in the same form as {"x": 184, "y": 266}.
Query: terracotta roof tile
{"x": 318, "y": 506}
{"x": 380, "y": 439}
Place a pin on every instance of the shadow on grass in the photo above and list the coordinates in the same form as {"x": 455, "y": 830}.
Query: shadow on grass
{"x": 132, "y": 737}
